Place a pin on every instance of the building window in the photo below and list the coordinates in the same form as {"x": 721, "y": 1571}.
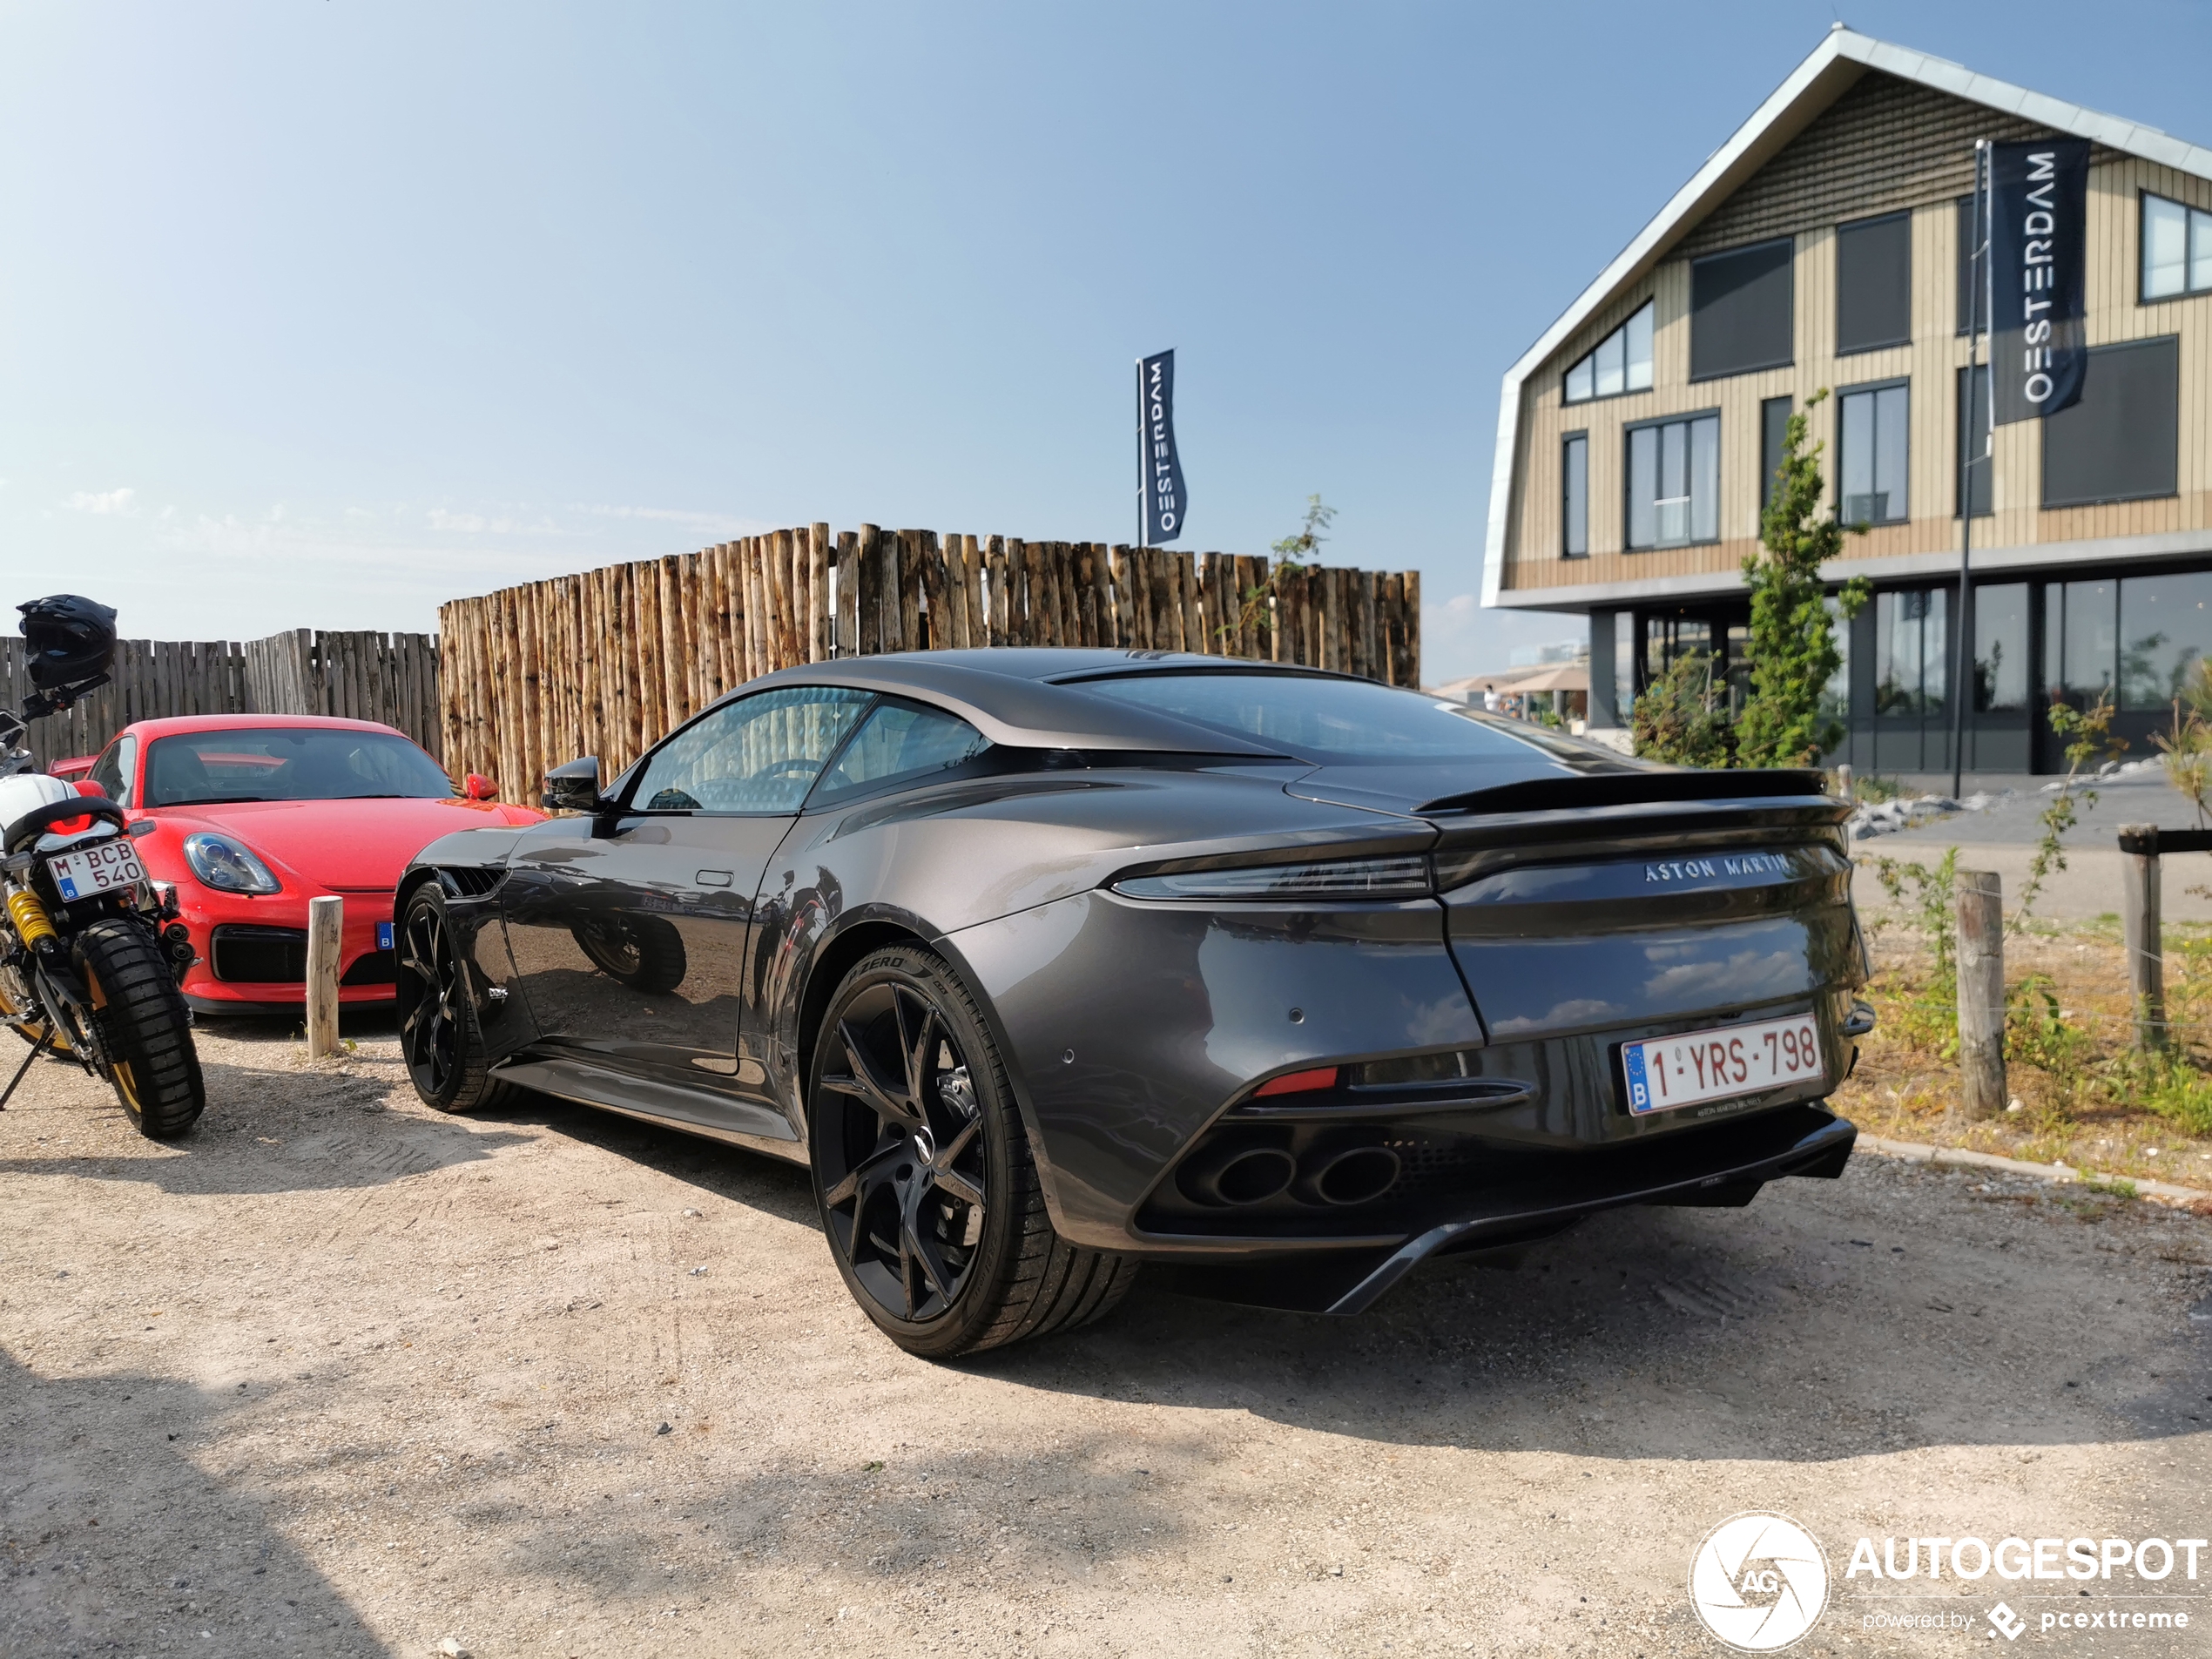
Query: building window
{"x": 1872, "y": 454}
{"x": 2165, "y": 632}
{"x": 2000, "y": 648}
{"x": 1674, "y": 482}
{"x": 2177, "y": 249}
{"x": 1774, "y": 441}
{"x": 1911, "y": 650}
{"x": 1621, "y": 362}
{"x": 1835, "y": 697}
{"x": 1874, "y": 284}
{"x": 2139, "y": 641}
{"x": 1574, "y": 505}
{"x": 1973, "y": 440}
{"x": 1742, "y": 310}
{"x": 2122, "y": 441}
{"x": 2080, "y": 641}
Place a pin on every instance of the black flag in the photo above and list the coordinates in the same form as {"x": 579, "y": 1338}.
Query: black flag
{"x": 1160, "y": 471}
{"x": 2038, "y": 357}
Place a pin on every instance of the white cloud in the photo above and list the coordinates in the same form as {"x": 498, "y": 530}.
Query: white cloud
{"x": 110, "y": 503}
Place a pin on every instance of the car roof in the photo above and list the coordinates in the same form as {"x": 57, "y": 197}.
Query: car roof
{"x": 1032, "y": 697}
{"x": 177, "y": 724}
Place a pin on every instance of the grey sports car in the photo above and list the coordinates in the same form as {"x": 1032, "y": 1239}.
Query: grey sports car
{"x": 1052, "y": 963}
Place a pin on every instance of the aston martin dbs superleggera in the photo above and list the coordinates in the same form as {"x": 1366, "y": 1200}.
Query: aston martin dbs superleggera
{"x": 1051, "y": 963}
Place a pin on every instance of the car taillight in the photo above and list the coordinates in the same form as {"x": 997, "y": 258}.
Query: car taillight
{"x": 1299, "y": 1083}
{"x": 1402, "y": 877}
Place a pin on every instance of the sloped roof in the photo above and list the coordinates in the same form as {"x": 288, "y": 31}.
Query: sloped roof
{"x": 1832, "y": 68}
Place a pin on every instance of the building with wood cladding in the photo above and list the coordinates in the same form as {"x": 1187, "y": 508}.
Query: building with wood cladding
{"x": 1828, "y": 245}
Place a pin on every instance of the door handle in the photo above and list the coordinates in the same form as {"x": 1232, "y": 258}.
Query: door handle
{"x": 715, "y": 878}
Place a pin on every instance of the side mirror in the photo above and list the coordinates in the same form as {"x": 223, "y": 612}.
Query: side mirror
{"x": 476, "y": 786}
{"x": 573, "y": 788}
{"x": 86, "y": 786}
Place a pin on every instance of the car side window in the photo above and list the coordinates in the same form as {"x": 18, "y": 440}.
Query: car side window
{"x": 111, "y": 770}
{"x": 900, "y": 742}
{"x": 758, "y": 754}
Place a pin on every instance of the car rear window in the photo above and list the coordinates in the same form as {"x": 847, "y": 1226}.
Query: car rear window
{"x": 288, "y": 763}
{"x": 1323, "y": 719}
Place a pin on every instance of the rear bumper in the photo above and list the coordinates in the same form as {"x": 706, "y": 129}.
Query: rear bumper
{"x": 1724, "y": 1165}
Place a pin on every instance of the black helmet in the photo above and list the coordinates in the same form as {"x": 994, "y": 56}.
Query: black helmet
{"x": 69, "y": 639}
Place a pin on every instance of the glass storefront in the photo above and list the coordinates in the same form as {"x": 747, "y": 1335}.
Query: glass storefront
{"x": 2139, "y": 638}
{"x": 2000, "y": 648}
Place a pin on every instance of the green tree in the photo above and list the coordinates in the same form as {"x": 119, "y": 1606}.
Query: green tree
{"x": 1793, "y": 650}
{"x": 1304, "y": 548}
{"x": 1299, "y": 552}
{"x": 1681, "y": 719}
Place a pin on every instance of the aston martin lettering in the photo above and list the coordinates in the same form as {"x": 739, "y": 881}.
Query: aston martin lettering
{"x": 1717, "y": 869}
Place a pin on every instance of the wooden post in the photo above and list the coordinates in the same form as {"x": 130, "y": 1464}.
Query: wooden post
{"x": 326, "y": 919}
{"x": 2141, "y": 924}
{"x": 1982, "y": 994}
{"x": 1843, "y": 780}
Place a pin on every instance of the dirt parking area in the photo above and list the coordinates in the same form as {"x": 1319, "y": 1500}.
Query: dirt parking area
{"x": 339, "y": 1376}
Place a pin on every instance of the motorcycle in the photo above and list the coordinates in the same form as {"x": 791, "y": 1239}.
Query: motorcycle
{"x": 86, "y": 968}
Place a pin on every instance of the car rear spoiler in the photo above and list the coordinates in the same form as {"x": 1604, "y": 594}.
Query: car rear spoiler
{"x": 1628, "y": 789}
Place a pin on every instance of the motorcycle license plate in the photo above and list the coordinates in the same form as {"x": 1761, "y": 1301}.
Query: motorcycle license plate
{"x": 1664, "y": 1073}
{"x": 101, "y": 867}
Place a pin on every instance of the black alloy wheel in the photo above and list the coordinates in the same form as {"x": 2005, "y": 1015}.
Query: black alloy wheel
{"x": 903, "y": 1163}
{"x": 438, "y": 1033}
{"x": 924, "y": 1174}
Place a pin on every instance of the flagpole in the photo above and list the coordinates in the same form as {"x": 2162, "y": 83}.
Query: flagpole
{"x": 1141, "y": 515}
{"x": 1985, "y": 212}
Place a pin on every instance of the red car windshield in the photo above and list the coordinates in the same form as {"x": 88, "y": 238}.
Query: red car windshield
{"x": 288, "y": 763}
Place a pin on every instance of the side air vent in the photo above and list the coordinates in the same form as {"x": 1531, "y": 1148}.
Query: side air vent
{"x": 473, "y": 881}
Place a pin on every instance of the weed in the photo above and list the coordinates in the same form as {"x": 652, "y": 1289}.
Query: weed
{"x": 1929, "y": 1016}
{"x": 2038, "y": 1033}
{"x": 2087, "y": 733}
{"x": 2170, "y": 1084}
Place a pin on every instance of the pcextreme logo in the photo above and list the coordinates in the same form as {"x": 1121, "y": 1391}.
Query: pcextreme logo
{"x": 1758, "y": 1581}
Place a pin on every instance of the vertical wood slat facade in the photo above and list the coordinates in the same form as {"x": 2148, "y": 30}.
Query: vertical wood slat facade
{"x": 390, "y": 678}
{"x": 539, "y": 674}
{"x": 1923, "y": 141}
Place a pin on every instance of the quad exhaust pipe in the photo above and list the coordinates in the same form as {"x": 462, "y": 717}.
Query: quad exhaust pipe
{"x": 1240, "y": 1172}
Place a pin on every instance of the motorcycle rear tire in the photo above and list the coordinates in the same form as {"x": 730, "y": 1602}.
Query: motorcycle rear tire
{"x": 145, "y": 1027}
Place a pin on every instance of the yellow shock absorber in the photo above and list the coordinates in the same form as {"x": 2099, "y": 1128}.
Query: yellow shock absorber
{"x": 32, "y": 923}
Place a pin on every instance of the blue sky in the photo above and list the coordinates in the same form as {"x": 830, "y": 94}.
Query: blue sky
{"x": 317, "y": 314}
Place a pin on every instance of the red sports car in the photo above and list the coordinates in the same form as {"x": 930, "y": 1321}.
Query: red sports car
{"x": 258, "y": 813}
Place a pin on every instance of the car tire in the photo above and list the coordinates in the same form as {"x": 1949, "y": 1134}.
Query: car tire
{"x": 439, "y": 1037}
{"x": 902, "y": 1142}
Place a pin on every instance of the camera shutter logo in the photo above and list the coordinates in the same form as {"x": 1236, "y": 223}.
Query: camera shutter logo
{"x": 1758, "y": 1583}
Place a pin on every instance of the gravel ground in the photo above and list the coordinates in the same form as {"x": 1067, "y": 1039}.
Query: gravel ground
{"x": 339, "y": 1376}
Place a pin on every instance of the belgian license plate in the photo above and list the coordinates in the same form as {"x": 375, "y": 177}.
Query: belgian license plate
{"x": 1664, "y": 1073}
{"x": 101, "y": 867}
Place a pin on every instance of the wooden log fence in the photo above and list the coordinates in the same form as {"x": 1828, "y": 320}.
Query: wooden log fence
{"x": 392, "y": 678}
{"x": 605, "y": 662}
